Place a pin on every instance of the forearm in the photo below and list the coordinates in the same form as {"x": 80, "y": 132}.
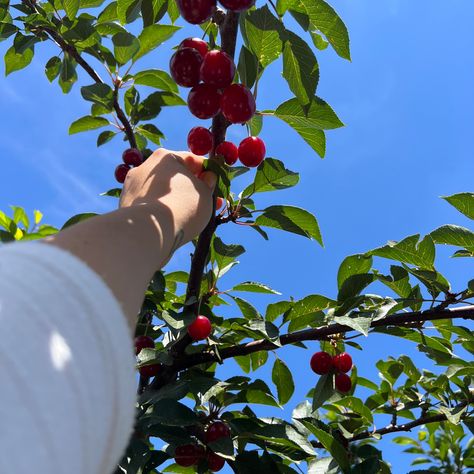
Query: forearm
{"x": 125, "y": 248}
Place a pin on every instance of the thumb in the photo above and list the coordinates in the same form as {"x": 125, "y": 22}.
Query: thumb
{"x": 209, "y": 178}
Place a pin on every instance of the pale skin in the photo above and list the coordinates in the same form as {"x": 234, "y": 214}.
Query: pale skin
{"x": 165, "y": 203}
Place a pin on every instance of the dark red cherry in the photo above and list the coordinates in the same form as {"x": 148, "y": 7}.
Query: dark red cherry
{"x": 195, "y": 43}
{"x": 237, "y": 103}
{"x": 229, "y": 151}
{"x": 132, "y": 157}
{"x": 204, "y": 101}
{"x": 196, "y": 11}
{"x": 142, "y": 342}
{"x": 200, "y": 140}
{"x": 121, "y": 172}
{"x": 218, "y": 69}
{"x": 185, "y": 67}
{"x": 251, "y": 151}
{"x": 237, "y": 5}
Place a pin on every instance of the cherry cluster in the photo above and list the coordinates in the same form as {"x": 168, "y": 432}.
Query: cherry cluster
{"x": 210, "y": 76}
{"x": 323, "y": 363}
{"x": 191, "y": 454}
{"x": 131, "y": 157}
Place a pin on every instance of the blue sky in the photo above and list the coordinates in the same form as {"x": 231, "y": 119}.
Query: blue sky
{"x": 407, "y": 102}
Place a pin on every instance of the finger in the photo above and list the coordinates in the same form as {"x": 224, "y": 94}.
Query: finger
{"x": 194, "y": 163}
{"x": 209, "y": 178}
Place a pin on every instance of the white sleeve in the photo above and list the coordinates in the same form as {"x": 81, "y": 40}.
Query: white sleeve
{"x": 67, "y": 384}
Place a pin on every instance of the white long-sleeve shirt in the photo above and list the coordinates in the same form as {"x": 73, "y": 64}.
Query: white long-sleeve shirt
{"x": 67, "y": 384}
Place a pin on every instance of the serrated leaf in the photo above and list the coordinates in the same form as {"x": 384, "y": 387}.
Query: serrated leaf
{"x": 128, "y": 10}
{"x": 254, "y": 287}
{"x": 98, "y": 93}
{"x": 283, "y": 380}
{"x": 463, "y": 202}
{"x": 156, "y": 78}
{"x": 359, "y": 323}
{"x": 105, "y": 137}
{"x": 247, "y": 67}
{"x": 300, "y": 68}
{"x": 68, "y": 74}
{"x": 291, "y": 219}
{"x": 248, "y": 311}
{"x": 71, "y": 7}
{"x": 309, "y": 122}
{"x": 271, "y": 175}
{"x": 172, "y": 413}
{"x": 323, "y": 391}
{"x": 87, "y": 123}
{"x": 353, "y": 285}
{"x": 151, "y": 132}
{"x": 4, "y": 5}
{"x": 263, "y": 31}
{"x": 454, "y": 235}
{"x": 125, "y": 46}
{"x": 225, "y": 254}
{"x": 353, "y": 265}
{"x": 152, "y": 36}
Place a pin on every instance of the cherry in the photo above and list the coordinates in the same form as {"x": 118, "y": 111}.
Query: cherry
{"x": 321, "y": 363}
{"x": 196, "y": 11}
{"x": 237, "y": 5}
{"x": 219, "y": 202}
{"x": 237, "y": 103}
{"x": 200, "y": 140}
{"x": 185, "y": 66}
{"x": 121, "y": 172}
{"x": 188, "y": 455}
{"x": 204, "y": 101}
{"x": 217, "y": 69}
{"x": 196, "y": 43}
{"x": 343, "y": 382}
{"x": 142, "y": 342}
{"x": 132, "y": 157}
{"x": 214, "y": 462}
{"x": 217, "y": 430}
{"x": 200, "y": 328}
{"x": 229, "y": 151}
{"x": 342, "y": 362}
{"x": 251, "y": 151}
{"x": 150, "y": 370}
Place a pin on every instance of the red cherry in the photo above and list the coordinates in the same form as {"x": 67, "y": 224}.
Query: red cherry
{"x": 343, "y": 382}
{"x": 214, "y": 462}
{"x": 142, "y": 342}
{"x": 204, "y": 101}
{"x": 237, "y": 5}
{"x": 196, "y": 11}
{"x": 217, "y": 69}
{"x": 195, "y": 43}
{"x": 150, "y": 370}
{"x": 229, "y": 151}
{"x": 200, "y": 140}
{"x": 200, "y": 328}
{"x": 219, "y": 202}
{"x": 188, "y": 455}
{"x": 321, "y": 363}
{"x": 185, "y": 67}
{"x": 251, "y": 151}
{"x": 121, "y": 172}
{"x": 132, "y": 157}
{"x": 238, "y": 103}
{"x": 342, "y": 362}
{"x": 217, "y": 430}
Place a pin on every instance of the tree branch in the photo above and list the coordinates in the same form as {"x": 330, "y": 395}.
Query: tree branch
{"x": 318, "y": 334}
{"x": 423, "y": 420}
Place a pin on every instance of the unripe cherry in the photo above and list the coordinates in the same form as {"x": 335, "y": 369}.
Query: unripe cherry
{"x": 132, "y": 157}
{"x": 196, "y": 11}
{"x": 342, "y": 362}
{"x": 237, "y": 5}
{"x": 200, "y": 140}
{"x": 229, "y": 151}
{"x": 185, "y": 67}
{"x": 321, "y": 363}
{"x": 200, "y": 328}
{"x": 204, "y": 101}
{"x": 343, "y": 383}
{"x": 121, "y": 172}
{"x": 251, "y": 151}
{"x": 142, "y": 342}
{"x": 217, "y": 68}
{"x": 200, "y": 45}
{"x": 238, "y": 103}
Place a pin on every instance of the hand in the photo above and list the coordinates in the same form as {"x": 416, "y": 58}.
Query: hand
{"x": 177, "y": 181}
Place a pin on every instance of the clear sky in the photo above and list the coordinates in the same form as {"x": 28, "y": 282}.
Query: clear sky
{"x": 408, "y": 104}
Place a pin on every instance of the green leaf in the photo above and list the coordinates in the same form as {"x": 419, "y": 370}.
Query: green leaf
{"x": 247, "y": 67}
{"x": 263, "y": 31}
{"x": 283, "y": 380}
{"x": 271, "y": 176}
{"x": 105, "y": 137}
{"x": 323, "y": 391}
{"x": 248, "y": 311}
{"x": 254, "y": 287}
{"x": 291, "y": 219}
{"x": 128, "y": 10}
{"x": 224, "y": 254}
{"x": 353, "y": 265}
{"x": 78, "y": 218}
{"x": 125, "y": 46}
{"x": 4, "y": 5}
{"x": 71, "y": 7}
{"x": 87, "y": 122}
{"x": 52, "y": 68}
{"x": 309, "y": 122}
{"x": 353, "y": 285}
{"x": 152, "y": 36}
{"x": 454, "y": 235}
{"x": 463, "y": 202}
{"x": 172, "y": 413}
{"x": 360, "y": 323}
{"x": 68, "y": 74}
{"x": 20, "y": 54}
{"x": 255, "y": 125}
{"x": 156, "y": 78}
{"x": 20, "y": 217}
{"x": 409, "y": 251}
{"x": 101, "y": 94}
{"x": 151, "y": 132}
{"x": 355, "y": 405}
{"x": 324, "y": 18}
{"x": 300, "y": 68}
